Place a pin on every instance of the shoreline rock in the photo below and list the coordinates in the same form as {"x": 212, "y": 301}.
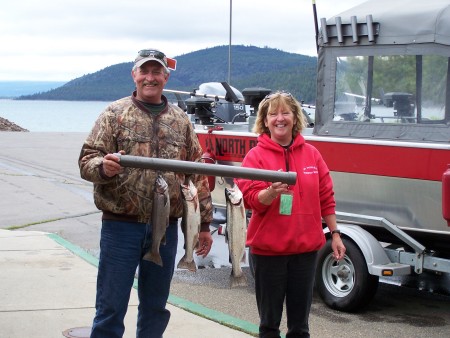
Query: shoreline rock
{"x": 6, "y": 125}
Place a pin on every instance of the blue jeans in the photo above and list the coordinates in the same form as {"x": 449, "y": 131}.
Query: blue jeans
{"x": 122, "y": 246}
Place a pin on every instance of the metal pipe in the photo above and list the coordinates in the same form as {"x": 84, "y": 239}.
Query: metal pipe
{"x": 340, "y": 35}
{"x": 188, "y": 167}
{"x": 354, "y": 29}
{"x": 229, "y": 44}
{"x": 370, "y": 31}
{"x": 316, "y": 24}
{"x": 323, "y": 24}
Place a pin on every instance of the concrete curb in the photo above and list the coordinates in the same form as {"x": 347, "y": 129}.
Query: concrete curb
{"x": 181, "y": 303}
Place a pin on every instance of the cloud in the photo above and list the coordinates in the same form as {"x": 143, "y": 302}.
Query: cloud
{"x": 62, "y": 40}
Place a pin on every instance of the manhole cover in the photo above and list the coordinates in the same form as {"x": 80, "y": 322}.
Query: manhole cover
{"x": 78, "y": 332}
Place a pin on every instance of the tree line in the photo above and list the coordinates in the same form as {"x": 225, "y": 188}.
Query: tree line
{"x": 250, "y": 67}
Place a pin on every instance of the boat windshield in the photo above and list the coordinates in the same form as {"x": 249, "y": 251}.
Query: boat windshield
{"x": 391, "y": 89}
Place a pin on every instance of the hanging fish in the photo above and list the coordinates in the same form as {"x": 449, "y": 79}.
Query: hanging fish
{"x": 190, "y": 224}
{"x": 160, "y": 219}
{"x": 236, "y": 233}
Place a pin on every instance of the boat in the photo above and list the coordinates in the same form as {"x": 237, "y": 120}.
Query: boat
{"x": 381, "y": 121}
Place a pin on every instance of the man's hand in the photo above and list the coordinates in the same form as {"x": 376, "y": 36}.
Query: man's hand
{"x": 204, "y": 243}
{"x": 111, "y": 164}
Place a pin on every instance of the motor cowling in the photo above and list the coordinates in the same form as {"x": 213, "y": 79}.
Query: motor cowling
{"x": 209, "y": 157}
{"x": 446, "y": 195}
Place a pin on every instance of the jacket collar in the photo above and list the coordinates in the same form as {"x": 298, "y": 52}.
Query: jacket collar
{"x": 265, "y": 141}
{"x": 144, "y": 108}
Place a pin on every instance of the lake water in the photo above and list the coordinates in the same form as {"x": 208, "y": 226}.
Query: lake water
{"x": 52, "y": 116}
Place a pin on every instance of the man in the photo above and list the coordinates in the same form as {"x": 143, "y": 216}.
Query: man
{"x": 144, "y": 124}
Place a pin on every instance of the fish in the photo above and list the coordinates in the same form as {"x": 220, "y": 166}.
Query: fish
{"x": 235, "y": 234}
{"x": 160, "y": 219}
{"x": 190, "y": 225}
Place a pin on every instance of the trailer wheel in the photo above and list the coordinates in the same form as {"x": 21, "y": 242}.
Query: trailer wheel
{"x": 344, "y": 285}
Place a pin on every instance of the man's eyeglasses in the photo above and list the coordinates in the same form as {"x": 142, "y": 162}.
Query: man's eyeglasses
{"x": 170, "y": 63}
{"x": 153, "y": 53}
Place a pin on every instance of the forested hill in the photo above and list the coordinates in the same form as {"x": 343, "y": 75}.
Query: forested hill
{"x": 250, "y": 67}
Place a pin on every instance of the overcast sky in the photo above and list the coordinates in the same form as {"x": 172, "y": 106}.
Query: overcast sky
{"x": 59, "y": 40}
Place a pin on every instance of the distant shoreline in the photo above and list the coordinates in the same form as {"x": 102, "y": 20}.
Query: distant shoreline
{"x": 6, "y": 125}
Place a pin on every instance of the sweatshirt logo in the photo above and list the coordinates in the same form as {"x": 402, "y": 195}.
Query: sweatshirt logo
{"x": 310, "y": 170}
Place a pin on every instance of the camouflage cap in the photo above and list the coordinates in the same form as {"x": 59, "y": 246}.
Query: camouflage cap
{"x": 150, "y": 54}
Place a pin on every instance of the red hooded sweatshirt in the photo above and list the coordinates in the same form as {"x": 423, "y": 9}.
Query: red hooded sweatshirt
{"x": 271, "y": 233}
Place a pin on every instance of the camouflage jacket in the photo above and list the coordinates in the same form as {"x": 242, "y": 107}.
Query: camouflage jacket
{"x": 127, "y": 125}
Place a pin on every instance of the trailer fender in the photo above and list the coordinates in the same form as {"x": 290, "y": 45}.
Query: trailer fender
{"x": 370, "y": 247}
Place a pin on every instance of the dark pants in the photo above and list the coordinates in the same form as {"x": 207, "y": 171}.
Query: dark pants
{"x": 122, "y": 245}
{"x": 280, "y": 278}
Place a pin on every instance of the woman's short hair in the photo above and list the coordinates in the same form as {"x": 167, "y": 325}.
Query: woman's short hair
{"x": 271, "y": 103}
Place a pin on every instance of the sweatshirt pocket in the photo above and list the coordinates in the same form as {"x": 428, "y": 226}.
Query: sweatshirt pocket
{"x": 292, "y": 234}
{"x": 306, "y": 234}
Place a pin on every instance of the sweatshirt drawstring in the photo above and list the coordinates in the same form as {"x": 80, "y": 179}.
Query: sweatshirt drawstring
{"x": 286, "y": 158}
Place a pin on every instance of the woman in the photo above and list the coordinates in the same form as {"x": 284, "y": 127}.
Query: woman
{"x": 285, "y": 229}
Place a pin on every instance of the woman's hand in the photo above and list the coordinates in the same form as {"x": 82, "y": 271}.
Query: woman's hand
{"x": 338, "y": 247}
{"x": 268, "y": 195}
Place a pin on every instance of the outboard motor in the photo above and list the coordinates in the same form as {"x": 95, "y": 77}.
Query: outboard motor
{"x": 228, "y": 101}
{"x": 202, "y": 109}
{"x": 253, "y": 97}
{"x": 403, "y": 103}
